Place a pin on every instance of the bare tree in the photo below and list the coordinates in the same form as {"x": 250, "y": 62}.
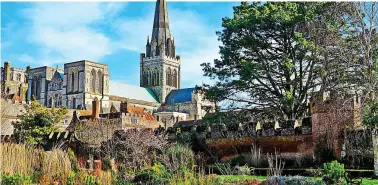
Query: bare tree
{"x": 134, "y": 148}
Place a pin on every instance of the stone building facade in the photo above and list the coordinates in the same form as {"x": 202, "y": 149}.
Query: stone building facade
{"x": 38, "y": 81}
{"x": 85, "y": 81}
{"x": 14, "y": 81}
{"x": 79, "y": 83}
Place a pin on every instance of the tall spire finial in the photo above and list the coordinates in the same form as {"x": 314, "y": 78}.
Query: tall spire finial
{"x": 160, "y": 30}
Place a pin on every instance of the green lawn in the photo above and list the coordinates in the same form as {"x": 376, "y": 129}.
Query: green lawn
{"x": 238, "y": 178}
{"x": 241, "y": 178}
{"x": 369, "y": 181}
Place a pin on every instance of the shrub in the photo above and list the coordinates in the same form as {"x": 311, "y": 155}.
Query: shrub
{"x": 105, "y": 177}
{"x": 125, "y": 173}
{"x": 243, "y": 170}
{"x": 16, "y": 179}
{"x": 223, "y": 168}
{"x": 122, "y": 182}
{"x": 333, "y": 173}
{"x": 157, "y": 174}
{"x": 73, "y": 160}
{"x": 179, "y": 156}
{"x": 254, "y": 158}
{"x": 190, "y": 177}
{"x": 275, "y": 164}
{"x": 86, "y": 179}
{"x": 107, "y": 163}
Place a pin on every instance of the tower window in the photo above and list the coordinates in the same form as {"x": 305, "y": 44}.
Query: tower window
{"x": 72, "y": 82}
{"x": 93, "y": 81}
{"x": 18, "y": 77}
{"x": 100, "y": 81}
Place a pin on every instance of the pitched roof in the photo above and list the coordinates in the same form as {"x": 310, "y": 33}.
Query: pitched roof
{"x": 132, "y": 92}
{"x": 140, "y": 111}
{"x": 180, "y": 96}
{"x": 61, "y": 75}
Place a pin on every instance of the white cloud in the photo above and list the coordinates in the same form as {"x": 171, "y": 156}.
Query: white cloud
{"x": 26, "y": 58}
{"x": 195, "y": 41}
{"x": 65, "y": 31}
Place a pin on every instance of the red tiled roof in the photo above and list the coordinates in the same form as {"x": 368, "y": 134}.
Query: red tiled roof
{"x": 16, "y": 98}
{"x": 140, "y": 111}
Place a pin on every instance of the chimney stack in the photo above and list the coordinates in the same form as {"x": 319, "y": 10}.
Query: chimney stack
{"x": 124, "y": 107}
{"x": 20, "y": 91}
{"x": 6, "y": 71}
{"x": 95, "y": 109}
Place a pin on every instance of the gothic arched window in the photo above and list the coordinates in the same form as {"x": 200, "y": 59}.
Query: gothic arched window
{"x": 153, "y": 78}
{"x": 168, "y": 77}
{"x": 34, "y": 87}
{"x": 76, "y": 81}
{"x": 150, "y": 79}
{"x": 147, "y": 78}
{"x": 18, "y": 77}
{"x": 74, "y": 106}
{"x": 72, "y": 82}
{"x": 157, "y": 77}
{"x": 174, "y": 78}
{"x": 144, "y": 79}
{"x": 38, "y": 87}
{"x": 93, "y": 81}
{"x": 60, "y": 101}
{"x": 100, "y": 81}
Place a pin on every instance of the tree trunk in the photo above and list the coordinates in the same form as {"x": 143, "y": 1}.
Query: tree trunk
{"x": 375, "y": 149}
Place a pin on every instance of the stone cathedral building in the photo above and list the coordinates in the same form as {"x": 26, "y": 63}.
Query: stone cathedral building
{"x": 79, "y": 83}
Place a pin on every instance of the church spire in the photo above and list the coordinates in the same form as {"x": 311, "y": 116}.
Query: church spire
{"x": 160, "y": 30}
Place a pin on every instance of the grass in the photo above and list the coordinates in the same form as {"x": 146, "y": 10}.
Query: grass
{"x": 242, "y": 178}
{"x": 366, "y": 181}
{"x": 25, "y": 160}
{"x": 239, "y": 178}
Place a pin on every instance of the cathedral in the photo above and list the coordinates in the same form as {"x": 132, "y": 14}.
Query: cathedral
{"x": 79, "y": 83}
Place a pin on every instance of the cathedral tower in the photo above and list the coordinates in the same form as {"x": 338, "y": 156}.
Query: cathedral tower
{"x": 160, "y": 66}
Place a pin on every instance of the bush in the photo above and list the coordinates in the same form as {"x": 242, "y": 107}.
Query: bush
{"x": 157, "y": 174}
{"x": 16, "y": 179}
{"x": 107, "y": 163}
{"x": 125, "y": 173}
{"x": 333, "y": 173}
{"x": 292, "y": 180}
{"x": 73, "y": 160}
{"x": 179, "y": 156}
{"x": 254, "y": 158}
{"x": 73, "y": 178}
{"x": 243, "y": 170}
{"x": 223, "y": 168}
{"x": 122, "y": 182}
{"x": 199, "y": 178}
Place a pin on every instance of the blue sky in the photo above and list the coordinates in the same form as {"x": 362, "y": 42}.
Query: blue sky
{"x": 52, "y": 34}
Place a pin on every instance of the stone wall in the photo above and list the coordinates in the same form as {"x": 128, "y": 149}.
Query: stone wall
{"x": 329, "y": 120}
